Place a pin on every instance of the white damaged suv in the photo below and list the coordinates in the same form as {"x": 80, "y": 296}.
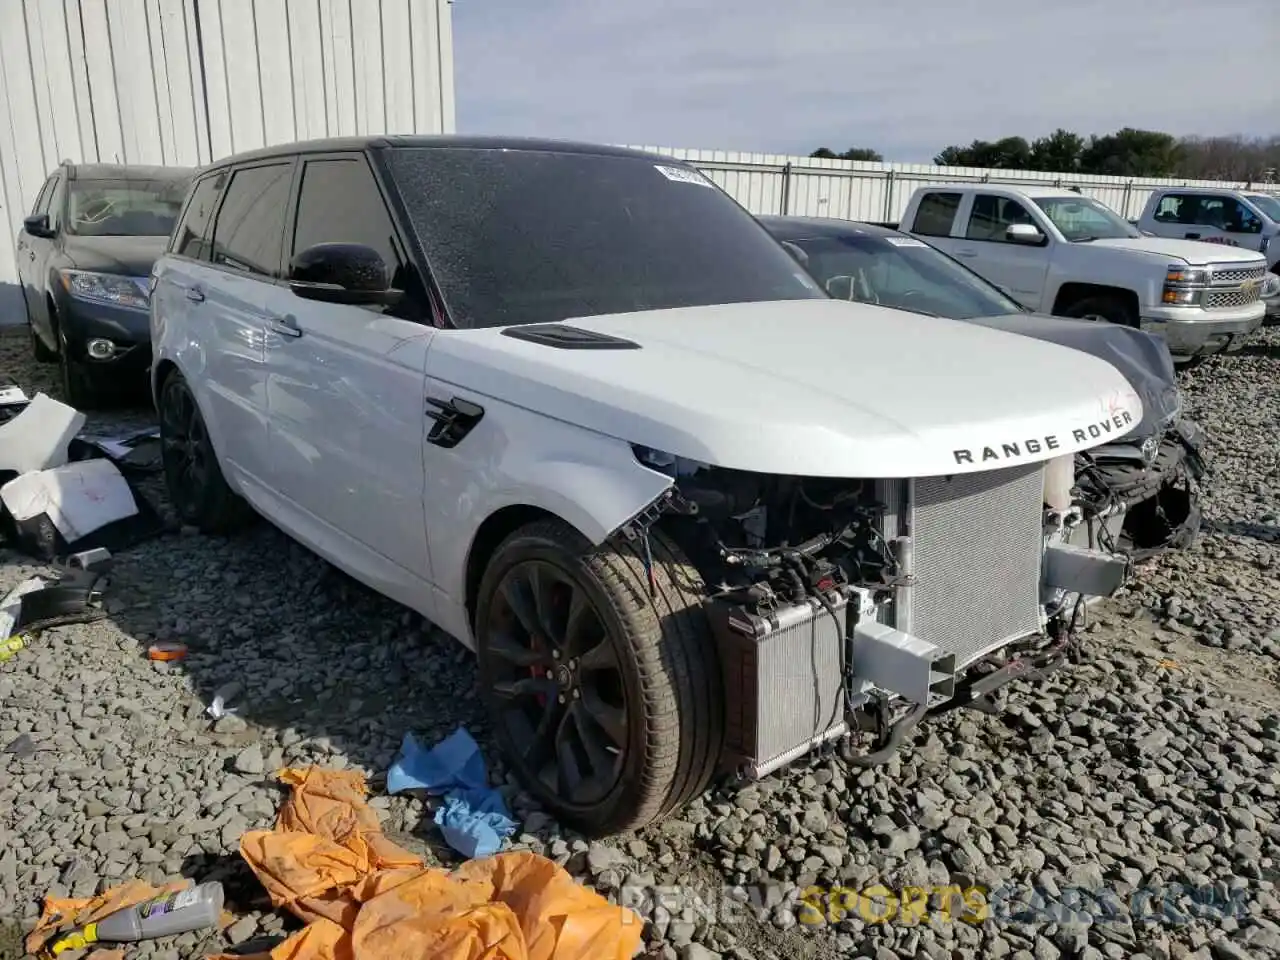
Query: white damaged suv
{"x": 577, "y": 408}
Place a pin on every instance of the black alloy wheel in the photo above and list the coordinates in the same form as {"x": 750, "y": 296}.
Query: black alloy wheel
{"x": 197, "y": 490}
{"x": 551, "y": 662}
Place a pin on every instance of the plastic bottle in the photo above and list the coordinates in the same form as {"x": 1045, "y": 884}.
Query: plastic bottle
{"x": 166, "y": 916}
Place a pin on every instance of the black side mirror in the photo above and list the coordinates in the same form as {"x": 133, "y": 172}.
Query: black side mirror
{"x": 349, "y": 273}
{"x": 37, "y": 225}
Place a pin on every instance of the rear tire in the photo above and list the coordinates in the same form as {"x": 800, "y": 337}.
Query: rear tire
{"x": 1111, "y": 309}
{"x": 596, "y": 658}
{"x": 197, "y": 490}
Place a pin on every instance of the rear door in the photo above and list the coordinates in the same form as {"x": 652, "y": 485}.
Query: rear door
{"x": 345, "y": 388}
{"x": 935, "y": 217}
{"x": 225, "y": 266}
{"x": 1017, "y": 267}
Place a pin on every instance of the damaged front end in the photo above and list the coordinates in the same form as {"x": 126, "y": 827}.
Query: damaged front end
{"x": 841, "y": 606}
{"x": 1142, "y": 499}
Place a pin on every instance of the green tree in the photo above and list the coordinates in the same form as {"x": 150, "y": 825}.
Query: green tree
{"x": 1132, "y": 153}
{"x": 1059, "y": 152}
{"x": 853, "y": 153}
{"x": 1008, "y": 153}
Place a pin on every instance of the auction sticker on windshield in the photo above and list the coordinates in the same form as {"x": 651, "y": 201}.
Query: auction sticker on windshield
{"x": 680, "y": 175}
{"x": 906, "y": 242}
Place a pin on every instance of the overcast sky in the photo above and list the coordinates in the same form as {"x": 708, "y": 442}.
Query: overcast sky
{"x": 908, "y": 78}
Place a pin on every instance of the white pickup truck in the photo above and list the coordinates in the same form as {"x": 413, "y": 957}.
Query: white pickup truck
{"x": 1058, "y": 252}
{"x": 1235, "y": 218}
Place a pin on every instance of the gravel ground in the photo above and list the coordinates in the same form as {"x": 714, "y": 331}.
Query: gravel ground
{"x": 1125, "y": 809}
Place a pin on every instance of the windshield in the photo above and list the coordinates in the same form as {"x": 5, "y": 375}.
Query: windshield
{"x": 1268, "y": 205}
{"x": 124, "y": 208}
{"x": 1082, "y": 219}
{"x": 530, "y": 236}
{"x": 901, "y": 272}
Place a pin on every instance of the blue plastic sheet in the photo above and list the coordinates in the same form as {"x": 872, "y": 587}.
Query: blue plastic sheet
{"x": 473, "y": 817}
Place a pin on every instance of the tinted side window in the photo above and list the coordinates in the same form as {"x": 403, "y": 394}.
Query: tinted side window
{"x": 250, "y": 223}
{"x": 936, "y": 214}
{"x": 54, "y": 203}
{"x": 42, "y": 198}
{"x": 1237, "y": 218}
{"x": 1169, "y": 208}
{"x": 191, "y": 235}
{"x": 992, "y": 216}
{"x": 340, "y": 203}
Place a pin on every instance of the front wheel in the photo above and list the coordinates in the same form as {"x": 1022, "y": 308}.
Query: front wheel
{"x": 1111, "y": 309}
{"x": 79, "y": 388}
{"x": 197, "y": 490}
{"x": 606, "y": 701}
{"x": 39, "y": 349}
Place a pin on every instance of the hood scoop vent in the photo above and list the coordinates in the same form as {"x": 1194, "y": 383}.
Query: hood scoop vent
{"x": 564, "y": 337}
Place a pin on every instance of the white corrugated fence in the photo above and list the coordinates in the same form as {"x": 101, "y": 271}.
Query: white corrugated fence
{"x": 184, "y": 82}
{"x": 858, "y": 190}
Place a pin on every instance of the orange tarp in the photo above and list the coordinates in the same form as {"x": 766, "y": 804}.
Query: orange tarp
{"x": 365, "y": 898}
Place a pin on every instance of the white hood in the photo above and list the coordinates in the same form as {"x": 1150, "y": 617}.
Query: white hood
{"x": 807, "y": 387}
{"x": 1194, "y": 252}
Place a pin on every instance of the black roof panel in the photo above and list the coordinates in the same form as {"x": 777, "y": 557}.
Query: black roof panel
{"x": 808, "y": 228}
{"x": 342, "y": 144}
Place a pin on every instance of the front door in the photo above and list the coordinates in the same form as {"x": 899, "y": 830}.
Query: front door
{"x": 345, "y": 392}
{"x": 1210, "y": 218}
{"x": 1017, "y": 267}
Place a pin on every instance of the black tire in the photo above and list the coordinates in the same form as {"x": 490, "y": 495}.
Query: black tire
{"x": 668, "y": 680}
{"x": 197, "y": 490}
{"x": 1112, "y": 309}
{"x": 39, "y": 349}
{"x": 79, "y": 387}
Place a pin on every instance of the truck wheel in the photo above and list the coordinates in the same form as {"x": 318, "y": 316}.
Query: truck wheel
{"x": 1112, "y": 309}
{"x": 607, "y": 703}
{"x": 197, "y": 490}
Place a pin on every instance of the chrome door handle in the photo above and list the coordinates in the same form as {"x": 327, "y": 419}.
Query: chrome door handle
{"x": 195, "y": 294}
{"x": 286, "y": 326}
{"x": 966, "y": 253}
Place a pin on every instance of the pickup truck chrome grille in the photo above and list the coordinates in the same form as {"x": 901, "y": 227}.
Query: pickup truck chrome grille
{"x": 1222, "y": 299}
{"x": 976, "y": 545}
{"x": 1235, "y": 276}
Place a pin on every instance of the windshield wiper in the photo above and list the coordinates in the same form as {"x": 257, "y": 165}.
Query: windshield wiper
{"x": 1083, "y": 239}
{"x": 923, "y": 313}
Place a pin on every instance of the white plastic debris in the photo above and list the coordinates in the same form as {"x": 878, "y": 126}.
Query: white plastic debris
{"x": 221, "y": 697}
{"x": 37, "y": 438}
{"x": 11, "y": 605}
{"x": 78, "y": 498}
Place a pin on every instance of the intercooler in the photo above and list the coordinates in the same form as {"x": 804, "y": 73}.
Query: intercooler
{"x": 975, "y": 553}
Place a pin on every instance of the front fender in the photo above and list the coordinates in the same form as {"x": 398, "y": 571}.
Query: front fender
{"x": 515, "y": 457}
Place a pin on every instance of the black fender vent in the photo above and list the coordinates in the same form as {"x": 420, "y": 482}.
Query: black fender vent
{"x": 564, "y": 337}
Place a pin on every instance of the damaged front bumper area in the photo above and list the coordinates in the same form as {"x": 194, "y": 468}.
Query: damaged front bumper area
{"x": 846, "y": 608}
{"x": 1140, "y": 501}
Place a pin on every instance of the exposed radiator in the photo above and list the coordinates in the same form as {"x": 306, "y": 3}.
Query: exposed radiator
{"x": 783, "y": 689}
{"x": 976, "y": 544}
